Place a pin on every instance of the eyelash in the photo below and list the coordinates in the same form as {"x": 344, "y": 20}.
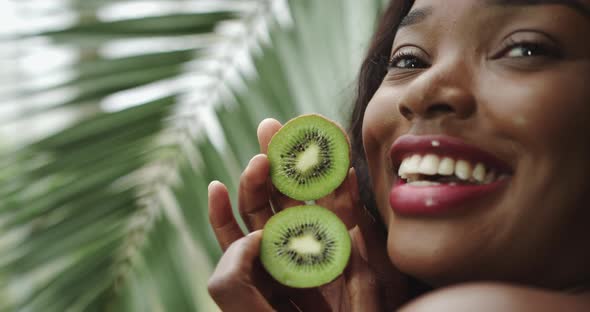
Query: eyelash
{"x": 539, "y": 49}
{"x": 536, "y": 49}
{"x": 404, "y": 55}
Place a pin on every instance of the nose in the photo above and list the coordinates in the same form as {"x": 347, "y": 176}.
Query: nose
{"x": 438, "y": 93}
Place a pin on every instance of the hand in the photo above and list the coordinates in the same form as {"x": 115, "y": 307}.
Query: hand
{"x": 240, "y": 283}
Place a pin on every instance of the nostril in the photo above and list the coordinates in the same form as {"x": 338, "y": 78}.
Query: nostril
{"x": 432, "y": 111}
{"x": 439, "y": 109}
{"x": 406, "y": 112}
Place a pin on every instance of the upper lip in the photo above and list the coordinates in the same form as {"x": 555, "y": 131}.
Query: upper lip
{"x": 407, "y": 145}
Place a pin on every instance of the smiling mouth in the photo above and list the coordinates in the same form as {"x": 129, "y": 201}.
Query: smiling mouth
{"x": 432, "y": 169}
{"x": 436, "y": 174}
{"x": 435, "y": 160}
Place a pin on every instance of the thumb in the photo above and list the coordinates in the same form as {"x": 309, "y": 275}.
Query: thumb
{"x": 361, "y": 282}
{"x": 231, "y": 285}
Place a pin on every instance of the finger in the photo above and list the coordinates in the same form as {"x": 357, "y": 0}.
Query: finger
{"x": 281, "y": 201}
{"x": 363, "y": 289}
{"x": 254, "y": 199}
{"x": 221, "y": 217}
{"x": 266, "y": 130}
{"x": 342, "y": 201}
{"x": 231, "y": 284}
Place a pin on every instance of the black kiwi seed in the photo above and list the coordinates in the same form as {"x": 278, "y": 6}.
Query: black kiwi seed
{"x": 309, "y": 157}
{"x": 305, "y": 246}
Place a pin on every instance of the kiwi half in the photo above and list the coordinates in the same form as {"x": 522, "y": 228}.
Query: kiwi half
{"x": 305, "y": 246}
{"x": 309, "y": 157}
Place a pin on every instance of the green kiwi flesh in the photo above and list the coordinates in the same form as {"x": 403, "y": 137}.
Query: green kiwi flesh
{"x": 305, "y": 246}
{"x": 309, "y": 157}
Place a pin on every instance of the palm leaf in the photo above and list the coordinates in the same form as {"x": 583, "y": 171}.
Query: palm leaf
{"x": 107, "y": 210}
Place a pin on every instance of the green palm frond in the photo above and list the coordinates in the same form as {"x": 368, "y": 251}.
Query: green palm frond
{"x": 123, "y": 111}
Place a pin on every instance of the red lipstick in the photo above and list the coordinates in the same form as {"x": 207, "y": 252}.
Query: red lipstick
{"x": 409, "y": 199}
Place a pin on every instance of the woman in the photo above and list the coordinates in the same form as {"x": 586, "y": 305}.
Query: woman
{"x": 471, "y": 127}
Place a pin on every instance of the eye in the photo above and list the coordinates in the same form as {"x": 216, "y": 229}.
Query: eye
{"x": 528, "y": 45}
{"x": 528, "y": 49}
{"x": 407, "y": 60}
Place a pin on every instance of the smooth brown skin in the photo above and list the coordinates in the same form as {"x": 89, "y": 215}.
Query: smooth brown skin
{"x": 531, "y": 111}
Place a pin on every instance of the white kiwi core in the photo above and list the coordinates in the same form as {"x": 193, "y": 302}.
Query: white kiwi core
{"x": 305, "y": 244}
{"x": 309, "y": 158}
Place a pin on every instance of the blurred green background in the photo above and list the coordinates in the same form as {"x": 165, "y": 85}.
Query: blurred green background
{"x": 116, "y": 114}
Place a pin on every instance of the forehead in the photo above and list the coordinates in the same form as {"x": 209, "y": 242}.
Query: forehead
{"x": 468, "y": 22}
{"x": 580, "y": 6}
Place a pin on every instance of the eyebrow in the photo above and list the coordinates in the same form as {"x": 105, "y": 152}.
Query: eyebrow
{"x": 574, "y": 4}
{"x": 415, "y": 16}
{"x": 418, "y": 15}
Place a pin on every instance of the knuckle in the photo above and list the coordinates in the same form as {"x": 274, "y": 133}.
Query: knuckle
{"x": 248, "y": 182}
{"x": 235, "y": 251}
{"x": 218, "y": 287}
{"x": 222, "y": 284}
{"x": 244, "y": 177}
{"x": 251, "y": 215}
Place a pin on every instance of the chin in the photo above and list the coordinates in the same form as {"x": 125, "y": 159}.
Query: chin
{"x": 436, "y": 260}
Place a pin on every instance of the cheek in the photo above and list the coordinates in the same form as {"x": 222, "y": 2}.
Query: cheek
{"x": 381, "y": 125}
{"x": 381, "y": 117}
{"x": 544, "y": 113}
{"x": 547, "y": 119}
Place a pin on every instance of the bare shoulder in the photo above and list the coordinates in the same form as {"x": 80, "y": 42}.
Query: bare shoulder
{"x": 497, "y": 297}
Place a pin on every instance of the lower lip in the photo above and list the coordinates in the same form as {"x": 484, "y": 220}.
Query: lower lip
{"x": 406, "y": 199}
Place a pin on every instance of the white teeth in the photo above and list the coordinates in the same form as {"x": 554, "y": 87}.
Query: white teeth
{"x": 462, "y": 169}
{"x": 429, "y": 164}
{"x": 479, "y": 172}
{"x": 423, "y": 183}
{"x": 403, "y": 168}
{"x": 409, "y": 165}
{"x": 413, "y": 168}
{"x": 446, "y": 166}
{"x": 414, "y": 163}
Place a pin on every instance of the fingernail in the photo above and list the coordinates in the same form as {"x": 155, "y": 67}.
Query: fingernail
{"x": 259, "y": 156}
{"x": 249, "y": 165}
{"x": 256, "y": 157}
{"x": 211, "y": 185}
{"x": 266, "y": 120}
{"x": 254, "y": 233}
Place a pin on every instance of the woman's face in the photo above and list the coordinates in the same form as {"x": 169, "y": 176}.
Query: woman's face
{"x": 505, "y": 84}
